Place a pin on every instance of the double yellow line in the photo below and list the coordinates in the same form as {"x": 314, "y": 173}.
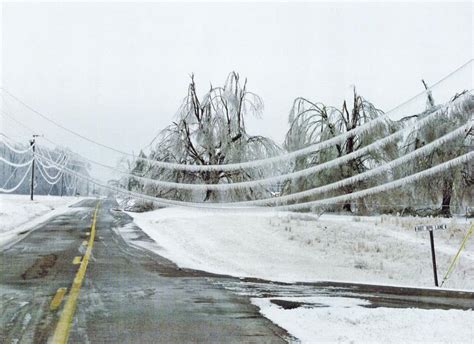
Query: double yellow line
{"x": 61, "y": 332}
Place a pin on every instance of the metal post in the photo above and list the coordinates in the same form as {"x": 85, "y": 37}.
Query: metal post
{"x": 32, "y": 185}
{"x": 62, "y": 184}
{"x": 433, "y": 257}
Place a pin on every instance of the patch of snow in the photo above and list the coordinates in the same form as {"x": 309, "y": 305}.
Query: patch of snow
{"x": 26, "y": 320}
{"x": 344, "y": 320}
{"x": 285, "y": 246}
{"x": 19, "y": 214}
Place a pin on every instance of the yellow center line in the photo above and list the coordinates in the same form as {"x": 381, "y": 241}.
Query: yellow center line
{"x": 57, "y": 299}
{"x": 61, "y": 332}
{"x": 77, "y": 260}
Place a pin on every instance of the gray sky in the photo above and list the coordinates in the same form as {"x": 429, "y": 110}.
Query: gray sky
{"x": 116, "y": 72}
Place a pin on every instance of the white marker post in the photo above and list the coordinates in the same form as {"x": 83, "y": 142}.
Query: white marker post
{"x": 431, "y": 228}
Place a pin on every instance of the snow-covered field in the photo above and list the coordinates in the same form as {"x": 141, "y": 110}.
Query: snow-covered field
{"x": 295, "y": 247}
{"x": 18, "y": 213}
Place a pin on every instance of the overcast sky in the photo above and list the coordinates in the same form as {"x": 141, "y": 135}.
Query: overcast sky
{"x": 117, "y": 72}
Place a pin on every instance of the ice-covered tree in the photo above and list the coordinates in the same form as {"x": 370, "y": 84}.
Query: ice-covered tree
{"x": 139, "y": 168}
{"x": 442, "y": 188}
{"x": 312, "y": 122}
{"x": 211, "y": 131}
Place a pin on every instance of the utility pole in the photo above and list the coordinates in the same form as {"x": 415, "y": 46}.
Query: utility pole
{"x": 62, "y": 184}
{"x": 32, "y": 185}
{"x": 32, "y": 179}
{"x": 430, "y": 100}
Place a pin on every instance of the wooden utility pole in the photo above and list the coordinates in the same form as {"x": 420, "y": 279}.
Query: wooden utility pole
{"x": 32, "y": 185}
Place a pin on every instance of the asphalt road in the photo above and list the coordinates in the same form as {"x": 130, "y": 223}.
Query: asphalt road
{"x": 128, "y": 295}
{"x": 131, "y": 295}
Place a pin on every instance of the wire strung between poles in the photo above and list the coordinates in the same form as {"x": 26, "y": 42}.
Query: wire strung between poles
{"x": 388, "y": 166}
{"x": 61, "y": 157}
{"x": 291, "y": 175}
{"x": 46, "y": 177}
{"x": 18, "y": 185}
{"x": 13, "y": 149}
{"x": 304, "y": 205}
{"x": 14, "y": 164}
{"x": 59, "y": 169}
{"x": 250, "y": 164}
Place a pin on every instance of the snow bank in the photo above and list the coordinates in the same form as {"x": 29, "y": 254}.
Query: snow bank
{"x": 291, "y": 247}
{"x": 344, "y": 320}
{"x": 19, "y": 214}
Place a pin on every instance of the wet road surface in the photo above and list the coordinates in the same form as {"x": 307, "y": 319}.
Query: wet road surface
{"x": 128, "y": 295}
{"x": 132, "y": 295}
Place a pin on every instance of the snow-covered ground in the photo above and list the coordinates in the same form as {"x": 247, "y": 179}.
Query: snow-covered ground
{"x": 287, "y": 247}
{"x": 296, "y": 247}
{"x": 345, "y": 320}
{"x": 18, "y": 213}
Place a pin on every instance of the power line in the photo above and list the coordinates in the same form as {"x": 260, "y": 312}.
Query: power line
{"x": 311, "y": 170}
{"x": 304, "y": 205}
{"x": 452, "y": 107}
{"x": 13, "y": 149}
{"x": 249, "y": 164}
{"x": 19, "y": 184}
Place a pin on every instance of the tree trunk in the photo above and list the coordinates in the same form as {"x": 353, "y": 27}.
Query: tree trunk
{"x": 446, "y": 200}
{"x": 352, "y": 171}
{"x": 361, "y": 207}
{"x": 211, "y": 177}
{"x": 208, "y": 195}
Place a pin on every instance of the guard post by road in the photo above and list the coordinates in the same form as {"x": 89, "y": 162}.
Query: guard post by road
{"x": 431, "y": 228}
